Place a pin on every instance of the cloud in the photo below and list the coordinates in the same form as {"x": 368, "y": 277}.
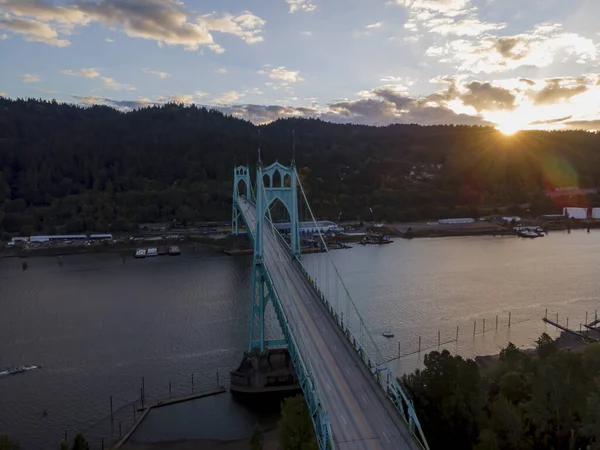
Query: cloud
{"x": 374, "y": 26}
{"x": 87, "y": 73}
{"x": 113, "y": 85}
{"x": 306, "y": 33}
{"x": 165, "y": 21}
{"x": 550, "y": 121}
{"x": 588, "y": 125}
{"x": 122, "y": 105}
{"x": 48, "y": 91}
{"x": 3, "y": 37}
{"x": 30, "y": 78}
{"x": 558, "y": 89}
{"x": 158, "y": 74}
{"x": 109, "y": 83}
{"x": 537, "y": 48}
{"x": 179, "y": 99}
{"x": 200, "y": 94}
{"x": 445, "y": 17}
{"x": 301, "y": 5}
{"x": 527, "y": 81}
{"x": 33, "y": 30}
{"x": 484, "y": 96}
{"x": 281, "y": 73}
{"x": 221, "y": 71}
{"x": 109, "y": 40}
{"x": 228, "y": 98}
{"x": 3, "y": 94}
{"x": 260, "y": 114}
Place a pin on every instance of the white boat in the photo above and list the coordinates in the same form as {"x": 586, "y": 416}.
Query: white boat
{"x": 529, "y": 234}
{"x": 388, "y": 334}
{"x": 152, "y": 252}
{"x": 140, "y": 253}
{"x": 19, "y": 369}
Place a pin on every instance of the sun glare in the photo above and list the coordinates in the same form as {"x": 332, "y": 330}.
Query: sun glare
{"x": 507, "y": 128}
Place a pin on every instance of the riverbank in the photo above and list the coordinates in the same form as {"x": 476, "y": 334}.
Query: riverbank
{"x": 125, "y": 248}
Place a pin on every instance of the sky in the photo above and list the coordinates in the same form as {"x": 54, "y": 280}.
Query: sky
{"x": 513, "y": 64}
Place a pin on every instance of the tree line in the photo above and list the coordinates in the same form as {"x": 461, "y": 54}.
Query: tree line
{"x": 546, "y": 400}
{"x": 66, "y": 168}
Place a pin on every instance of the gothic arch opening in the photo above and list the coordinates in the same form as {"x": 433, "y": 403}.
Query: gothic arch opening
{"x": 277, "y": 179}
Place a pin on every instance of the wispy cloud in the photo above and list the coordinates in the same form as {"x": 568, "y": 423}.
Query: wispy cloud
{"x": 374, "y": 26}
{"x": 301, "y": 5}
{"x": 221, "y": 71}
{"x": 109, "y": 40}
{"x": 156, "y": 73}
{"x": 87, "y": 73}
{"x": 30, "y": 78}
{"x": 281, "y": 73}
{"x": 112, "y": 85}
{"x": 227, "y": 98}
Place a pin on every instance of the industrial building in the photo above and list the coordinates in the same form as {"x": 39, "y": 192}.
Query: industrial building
{"x": 323, "y": 226}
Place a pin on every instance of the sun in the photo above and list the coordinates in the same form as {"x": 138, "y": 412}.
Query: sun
{"x": 508, "y": 128}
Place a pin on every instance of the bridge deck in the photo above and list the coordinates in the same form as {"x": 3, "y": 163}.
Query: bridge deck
{"x": 360, "y": 415}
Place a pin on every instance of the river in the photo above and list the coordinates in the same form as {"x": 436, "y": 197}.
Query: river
{"x": 99, "y": 325}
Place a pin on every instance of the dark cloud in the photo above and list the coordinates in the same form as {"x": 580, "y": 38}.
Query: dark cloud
{"x": 509, "y": 47}
{"x": 166, "y": 21}
{"x": 550, "y": 121}
{"x": 588, "y": 125}
{"x": 484, "y": 96}
{"x": 388, "y": 107}
{"x": 555, "y": 90}
{"x": 266, "y": 113}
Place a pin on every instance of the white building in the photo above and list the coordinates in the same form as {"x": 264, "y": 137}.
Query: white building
{"x": 576, "y": 213}
{"x": 323, "y": 226}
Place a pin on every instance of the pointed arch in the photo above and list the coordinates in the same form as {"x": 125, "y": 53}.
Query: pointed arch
{"x": 277, "y": 180}
{"x": 266, "y": 180}
{"x": 242, "y": 188}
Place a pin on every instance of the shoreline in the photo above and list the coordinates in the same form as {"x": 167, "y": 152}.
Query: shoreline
{"x": 127, "y": 249}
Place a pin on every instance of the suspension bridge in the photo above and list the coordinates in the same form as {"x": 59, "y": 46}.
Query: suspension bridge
{"x": 353, "y": 397}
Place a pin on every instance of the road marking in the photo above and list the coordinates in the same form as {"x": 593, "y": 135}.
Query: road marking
{"x": 386, "y": 438}
{"x": 365, "y": 400}
{"x": 348, "y": 371}
{"x": 345, "y": 420}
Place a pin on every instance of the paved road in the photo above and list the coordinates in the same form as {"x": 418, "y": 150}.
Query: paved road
{"x": 360, "y": 416}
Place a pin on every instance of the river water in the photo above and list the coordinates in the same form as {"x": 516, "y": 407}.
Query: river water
{"x": 99, "y": 325}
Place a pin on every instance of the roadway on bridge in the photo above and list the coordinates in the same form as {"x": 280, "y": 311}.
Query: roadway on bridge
{"x": 361, "y": 417}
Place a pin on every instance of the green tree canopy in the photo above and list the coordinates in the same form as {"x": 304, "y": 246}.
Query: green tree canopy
{"x": 296, "y": 430}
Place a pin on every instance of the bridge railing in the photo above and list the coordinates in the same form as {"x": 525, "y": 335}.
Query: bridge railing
{"x": 366, "y": 347}
{"x": 318, "y": 413}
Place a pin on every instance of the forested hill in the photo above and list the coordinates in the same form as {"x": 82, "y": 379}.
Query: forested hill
{"x": 68, "y": 169}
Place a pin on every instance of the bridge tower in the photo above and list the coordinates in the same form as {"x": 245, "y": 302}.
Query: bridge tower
{"x": 240, "y": 174}
{"x": 274, "y": 182}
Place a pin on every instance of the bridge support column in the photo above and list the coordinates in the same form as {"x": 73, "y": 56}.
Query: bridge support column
{"x": 241, "y": 179}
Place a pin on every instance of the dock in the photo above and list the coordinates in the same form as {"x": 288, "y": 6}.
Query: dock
{"x": 568, "y": 330}
{"x": 185, "y": 398}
